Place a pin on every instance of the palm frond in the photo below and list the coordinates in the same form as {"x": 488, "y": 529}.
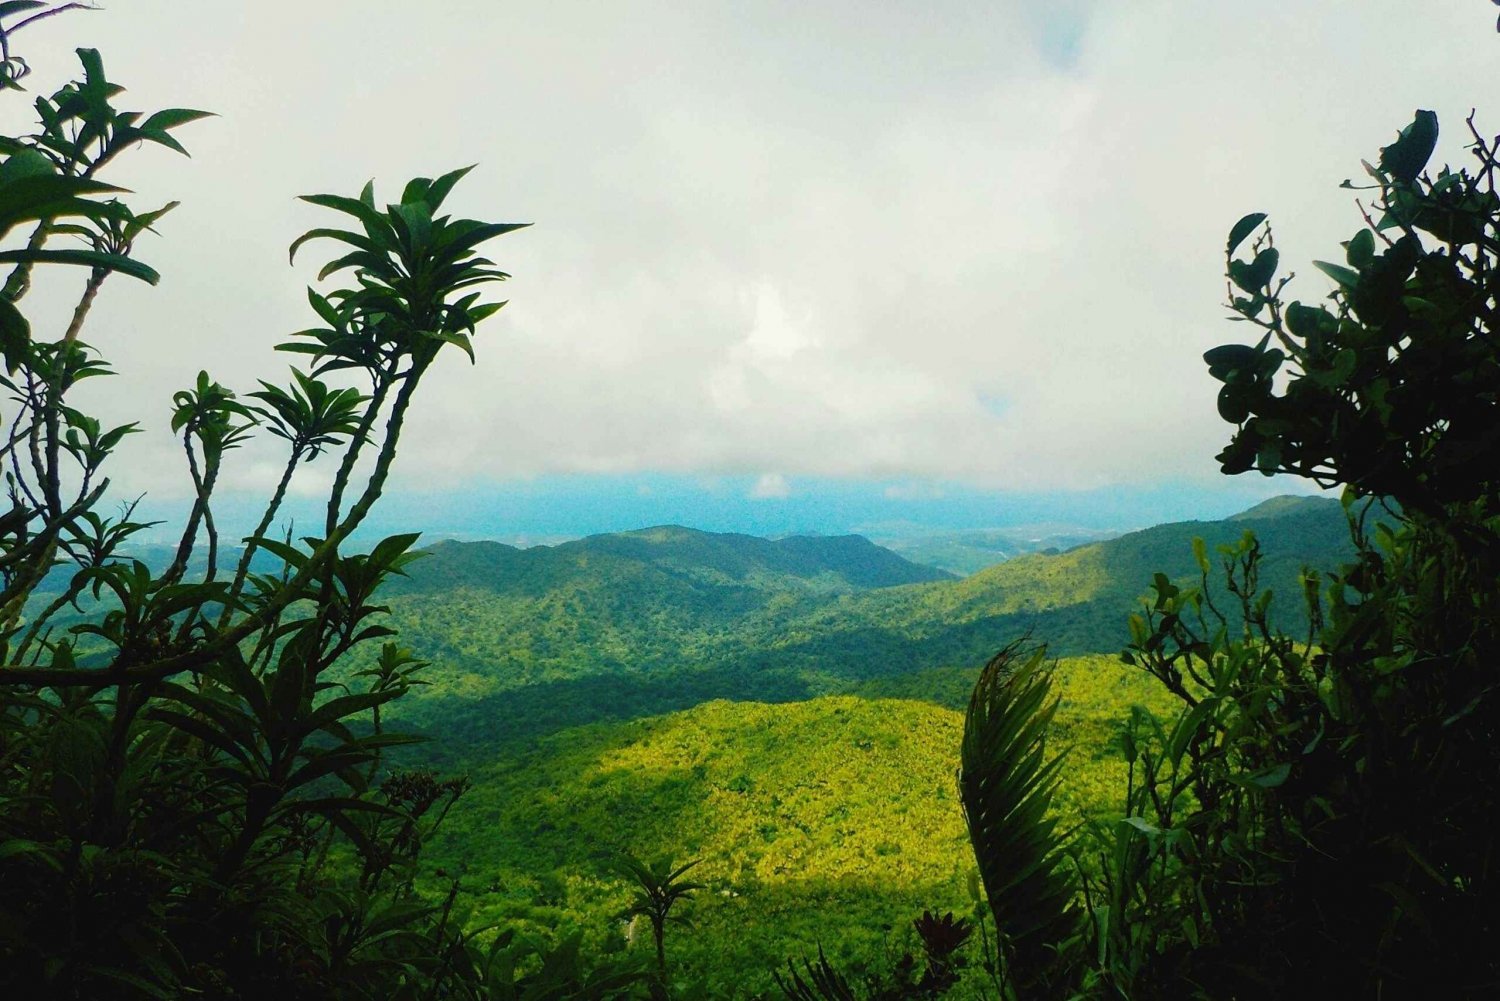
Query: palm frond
{"x": 1007, "y": 783}
{"x": 822, "y": 983}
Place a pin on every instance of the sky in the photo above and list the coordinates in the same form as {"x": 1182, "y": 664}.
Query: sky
{"x": 813, "y": 266}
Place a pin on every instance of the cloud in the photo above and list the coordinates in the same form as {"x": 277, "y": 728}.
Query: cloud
{"x": 770, "y": 486}
{"x": 968, "y": 242}
{"x": 913, "y": 492}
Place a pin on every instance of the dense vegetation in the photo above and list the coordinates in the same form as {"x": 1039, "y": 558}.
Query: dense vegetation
{"x": 691, "y": 757}
{"x": 189, "y": 806}
{"x": 1315, "y": 817}
{"x": 830, "y": 822}
{"x": 526, "y": 642}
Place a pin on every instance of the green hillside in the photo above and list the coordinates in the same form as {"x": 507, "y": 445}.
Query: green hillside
{"x": 825, "y": 822}
{"x": 528, "y": 642}
{"x": 1077, "y": 601}
{"x": 633, "y": 602}
{"x": 971, "y": 551}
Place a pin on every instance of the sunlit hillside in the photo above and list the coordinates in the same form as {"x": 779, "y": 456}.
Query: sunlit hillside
{"x": 527, "y": 642}
{"x": 831, "y": 822}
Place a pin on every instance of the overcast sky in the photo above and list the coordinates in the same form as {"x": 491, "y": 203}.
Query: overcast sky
{"x": 781, "y": 250}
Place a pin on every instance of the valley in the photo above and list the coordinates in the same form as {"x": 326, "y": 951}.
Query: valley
{"x": 786, "y": 712}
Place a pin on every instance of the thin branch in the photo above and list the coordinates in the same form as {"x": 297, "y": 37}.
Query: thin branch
{"x": 49, "y": 13}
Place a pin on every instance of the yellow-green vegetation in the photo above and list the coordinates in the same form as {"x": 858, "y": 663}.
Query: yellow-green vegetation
{"x": 495, "y": 619}
{"x": 525, "y": 643}
{"x": 833, "y": 821}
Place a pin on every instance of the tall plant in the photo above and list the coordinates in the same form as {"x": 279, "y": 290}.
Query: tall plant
{"x": 659, "y": 889}
{"x": 191, "y": 802}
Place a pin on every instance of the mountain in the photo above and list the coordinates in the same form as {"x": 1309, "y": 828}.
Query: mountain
{"x": 788, "y": 712}
{"x": 528, "y": 642}
{"x": 968, "y": 552}
{"x": 633, "y": 602}
{"x": 1077, "y": 601}
{"x": 1286, "y": 505}
{"x": 666, "y": 556}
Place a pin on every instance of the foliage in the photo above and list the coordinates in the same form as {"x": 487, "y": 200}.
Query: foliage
{"x": 1315, "y": 816}
{"x": 1369, "y": 750}
{"x": 529, "y": 642}
{"x": 659, "y": 888}
{"x": 1007, "y": 783}
{"x": 941, "y": 938}
{"x": 818, "y": 821}
{"x": 830, "y": 822}
{"x": 192, "y": 805}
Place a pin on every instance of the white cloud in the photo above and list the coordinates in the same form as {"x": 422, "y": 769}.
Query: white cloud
{"x": 770, "y": 486}
{"x": 815, "y": 239}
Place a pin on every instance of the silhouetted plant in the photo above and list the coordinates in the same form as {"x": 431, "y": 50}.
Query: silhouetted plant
{"x": 1007, "y": 782}
{"x": 659, "y": 888}
{"x": 192, "y": 803}
{"x": 820, "y": 982}
{"x": 1317, "y": 818}
{"x": 941, "y": 938}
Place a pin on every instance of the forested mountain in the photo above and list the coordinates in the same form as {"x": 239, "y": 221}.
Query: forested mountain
{"x": 644, "y": 601}
{"x": 524, "y": 642}
{"x": 611, "y": 694}
{"x": 665, "y": 557}
{"x": 1077, "y": 600}
{"x": 970, "y": 551}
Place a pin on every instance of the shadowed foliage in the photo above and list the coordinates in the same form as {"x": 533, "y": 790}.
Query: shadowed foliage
{"x": 1007, "y": 783}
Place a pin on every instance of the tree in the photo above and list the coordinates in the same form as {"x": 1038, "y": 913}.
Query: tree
{"x": 1318, "y": 817}
{"x": 192, "y": 797}
{"x": 659, "y": 888}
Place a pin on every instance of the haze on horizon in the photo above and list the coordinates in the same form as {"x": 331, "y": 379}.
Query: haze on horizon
{"x": 793, "y": 267}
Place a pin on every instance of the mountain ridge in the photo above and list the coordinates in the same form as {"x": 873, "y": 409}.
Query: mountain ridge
{"x": 599, "y": 632}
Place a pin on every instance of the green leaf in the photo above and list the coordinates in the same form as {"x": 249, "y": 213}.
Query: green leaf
{"x": 1007, "y": 783}
{"x": 1405, "y": 158}
{"x": 1255, "y": 275}
{"x": 1308, "y": 321}
{"x": 374, "y": 222}
{"x": 437, "y": 192}
{"x": 10, "y": 7}
{"x": 163, "y": 139}
{"x": 15, "y": 335}
{"x": 1227, "y": 358}
{"x": 1339, "y": 273}
{"x": 172, "y": 118}
{"x": 1242, "y": 229}
{"x": 25, "y": 162}
{"x": 93, "y": 68}
{"x": 31, "y": 197}
{"x": 325, "y": 233}
{"x": 1361, "y": 251}
{"x": 91, "y": 258}
{"x": 1270, "y": 778}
